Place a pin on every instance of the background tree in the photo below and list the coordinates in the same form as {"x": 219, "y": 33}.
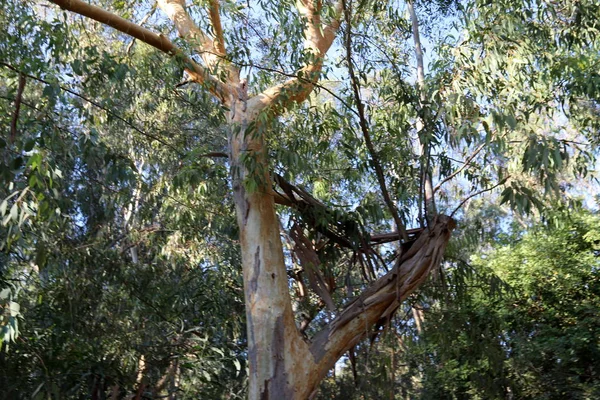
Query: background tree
{"x": 536, "y": 341}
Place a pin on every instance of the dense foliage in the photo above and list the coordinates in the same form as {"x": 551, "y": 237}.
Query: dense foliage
{"x": 537, "y": 341}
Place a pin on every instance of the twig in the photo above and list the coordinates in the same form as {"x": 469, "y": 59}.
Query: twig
{"x": 477, "y": 194}
{"x": 458, "y": 171}
{"x": 141, "y": 23}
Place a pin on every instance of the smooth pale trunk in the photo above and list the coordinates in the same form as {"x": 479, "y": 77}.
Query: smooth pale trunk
{"x": 277, "y": 354}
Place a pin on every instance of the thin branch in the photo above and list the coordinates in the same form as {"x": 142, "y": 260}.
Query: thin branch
{"x": 458, "y": 171}
{"x": 199, "y": 73}
{"x": 18, "y": 98}
{"x": 365, "y": 129}
{"x": 141, "y": 23}
{"x": 477, "y": 194}
{"x": 214, "y": 154}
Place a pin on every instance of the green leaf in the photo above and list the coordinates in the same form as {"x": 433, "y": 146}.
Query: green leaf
{"x": 29, "y": 145}
{"x": 16, "y": 163}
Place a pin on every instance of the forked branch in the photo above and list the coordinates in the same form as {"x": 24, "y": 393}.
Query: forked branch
{"x": 212, "y": 51}
{"x": 319, "y": 39}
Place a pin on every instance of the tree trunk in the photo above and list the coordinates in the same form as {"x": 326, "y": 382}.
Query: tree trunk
{"x": 277, "y": 353}
{"x": 283, "y": 364}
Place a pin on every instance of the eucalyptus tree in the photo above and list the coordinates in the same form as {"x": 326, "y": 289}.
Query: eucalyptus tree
{"x": 377, "y": 147}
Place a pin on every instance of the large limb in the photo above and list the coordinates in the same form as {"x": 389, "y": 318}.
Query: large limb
{"x": 212, "y": 51}
{"x": 318, "y": 41}
{"x": 197, "y": 72}
{"x": 382, "y": 298}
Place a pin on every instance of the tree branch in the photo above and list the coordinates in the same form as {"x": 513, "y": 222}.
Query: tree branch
{"x": 296, "y": 90}
{"x": 215, "y": 19}
{"x": 141, "y": 23}
{"x": 365, "y": 129}
{"x": 18, "y": 98}
{"x": 458, "y": 171}
{"x": 198, "y": 73}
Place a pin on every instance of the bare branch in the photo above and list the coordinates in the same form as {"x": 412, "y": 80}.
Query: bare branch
{"x": 296, "y": 90}
{"x": 141, "y": 23}
{"x": 309, "y": 260}
{"x": 458, "y": 171}
{"x": 198, "y": 73}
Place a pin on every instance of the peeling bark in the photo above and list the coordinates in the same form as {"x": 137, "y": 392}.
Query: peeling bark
{"x": 383, "y": 297}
